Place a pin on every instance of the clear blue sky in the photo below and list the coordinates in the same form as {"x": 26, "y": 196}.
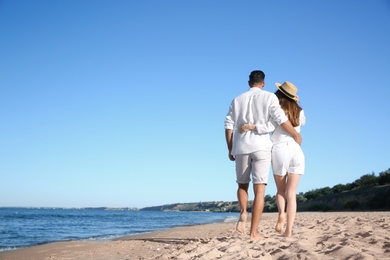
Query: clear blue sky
{"x": 122, "y": 103}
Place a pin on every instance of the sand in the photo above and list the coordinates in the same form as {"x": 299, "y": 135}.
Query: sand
{"x": 316, "y": 235}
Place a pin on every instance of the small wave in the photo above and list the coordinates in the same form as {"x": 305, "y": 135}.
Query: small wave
{"x": 231, "y": 219}
{"x": 102, "y": 238}
{"x": 5, "y": 249}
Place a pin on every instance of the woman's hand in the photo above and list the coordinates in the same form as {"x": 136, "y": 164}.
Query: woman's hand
{"x": 246, "y": 127}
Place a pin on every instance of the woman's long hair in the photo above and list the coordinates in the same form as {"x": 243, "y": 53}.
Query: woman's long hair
{"x": 290, "y": 107}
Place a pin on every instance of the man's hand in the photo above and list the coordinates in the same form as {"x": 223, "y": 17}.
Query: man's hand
{"x": 231, "y": 157}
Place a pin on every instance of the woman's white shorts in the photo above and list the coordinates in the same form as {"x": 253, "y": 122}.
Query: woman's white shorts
{"x": 287, "y": 157}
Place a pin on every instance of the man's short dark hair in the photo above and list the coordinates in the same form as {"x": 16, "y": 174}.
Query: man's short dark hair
{"x": 256, "y": 76}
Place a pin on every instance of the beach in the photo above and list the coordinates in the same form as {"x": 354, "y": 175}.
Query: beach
{"x": 316, "y": 235}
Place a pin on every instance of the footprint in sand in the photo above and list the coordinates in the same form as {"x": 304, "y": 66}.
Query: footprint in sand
{"x": 364, "y": 234}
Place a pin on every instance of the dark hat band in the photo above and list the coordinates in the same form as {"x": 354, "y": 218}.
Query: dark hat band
{"x": 286, "y": 93}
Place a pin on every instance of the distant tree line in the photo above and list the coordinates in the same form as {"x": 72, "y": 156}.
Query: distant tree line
{"x": 366, "y": 180}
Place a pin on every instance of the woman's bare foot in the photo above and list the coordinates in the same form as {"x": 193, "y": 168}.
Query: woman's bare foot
{"x": 241, "y": 224}
{"x": 279, "y": 224}
{"x": 287, "y": 234}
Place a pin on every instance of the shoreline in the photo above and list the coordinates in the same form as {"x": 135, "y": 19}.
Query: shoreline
{"x": 317, "y": 235}
{"x": 135, "y": 236}
{"x": 24, "y": 228}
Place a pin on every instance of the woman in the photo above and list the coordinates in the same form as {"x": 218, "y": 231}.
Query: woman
{"x": 288, "y": 161}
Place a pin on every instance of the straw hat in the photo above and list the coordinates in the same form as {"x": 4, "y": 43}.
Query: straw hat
{"x": 288, "y": 89}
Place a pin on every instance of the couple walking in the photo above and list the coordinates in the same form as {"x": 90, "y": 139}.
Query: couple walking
{"x": 252, "y": 117}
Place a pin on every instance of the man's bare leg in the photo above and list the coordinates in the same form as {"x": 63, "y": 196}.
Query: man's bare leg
{"x": 257, "y": 210}
{"x": 242, "y": 195}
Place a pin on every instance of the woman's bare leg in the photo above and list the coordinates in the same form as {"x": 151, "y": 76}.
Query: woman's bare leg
{"x": 280, "y": 182}
{"x": 291, "y": 195}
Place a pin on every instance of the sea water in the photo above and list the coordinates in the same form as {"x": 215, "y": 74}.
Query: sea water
{"x": 23, "y": 227}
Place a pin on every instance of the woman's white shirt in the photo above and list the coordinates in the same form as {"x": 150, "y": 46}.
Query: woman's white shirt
{"x": 281, "y": 135}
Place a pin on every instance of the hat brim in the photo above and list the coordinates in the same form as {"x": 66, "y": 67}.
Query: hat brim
{"x": 295, "y": 98}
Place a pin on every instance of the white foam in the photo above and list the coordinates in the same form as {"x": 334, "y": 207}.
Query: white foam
{"x": 231, "y": 219}
{"x": 5, "y": 249}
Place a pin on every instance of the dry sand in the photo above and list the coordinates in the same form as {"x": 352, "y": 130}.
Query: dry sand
{"x": 335, "y": 235}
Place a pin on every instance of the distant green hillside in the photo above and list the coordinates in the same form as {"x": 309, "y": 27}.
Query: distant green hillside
{"x": 215, "y": 206}
{"x": 368, "y": 193}
{"x": 362, "y": 199}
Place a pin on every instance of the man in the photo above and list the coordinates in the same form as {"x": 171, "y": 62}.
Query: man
{"x": 252, "y": 151}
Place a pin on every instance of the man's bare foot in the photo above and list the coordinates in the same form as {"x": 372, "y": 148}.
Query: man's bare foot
{"x": 279, "y": 224}
{"x": 241, "y": 224}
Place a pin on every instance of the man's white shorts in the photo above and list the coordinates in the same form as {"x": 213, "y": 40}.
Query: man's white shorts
{"x": 257, "y": 163}
{"x": 287, "y": 157}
